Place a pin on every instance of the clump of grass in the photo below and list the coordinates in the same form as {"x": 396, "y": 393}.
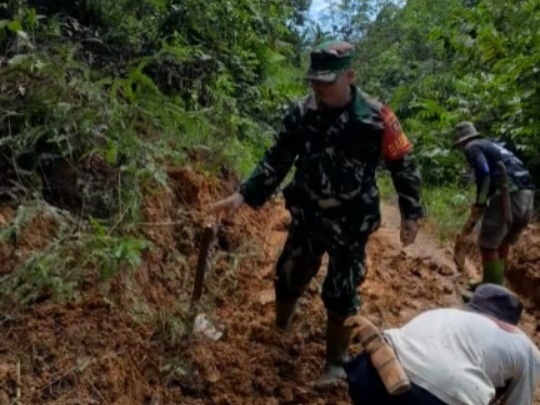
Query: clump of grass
{"x": 386, "y": 188}
{"x": 447, "y": 209}
{"x": 446, "y": 206}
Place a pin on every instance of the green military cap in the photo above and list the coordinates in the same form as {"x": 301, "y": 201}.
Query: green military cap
{"x": 328, "y": 60}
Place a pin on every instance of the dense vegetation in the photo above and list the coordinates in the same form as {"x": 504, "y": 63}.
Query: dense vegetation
{"x": 441, "y": 63}
{"x": 132, "y": 83}
{"x": 438, "y": 63}
{"x": 98, "y": 97}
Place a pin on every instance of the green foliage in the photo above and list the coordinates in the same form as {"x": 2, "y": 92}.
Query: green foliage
{"x": 215, "y": 78}
{"x": 386, "y": 188}
{"x": 23, "y": 216}
{"x": 458, "y": 61}
{"x": 439, "y": 65}
{"x": 58, "y": 270}
{"x": 111, "y": 252}
{"x": 98, "y": 97}
{"x": 447, "y": 209}
{"x": 75, "y": 256}
{"x": 447, "y": 206}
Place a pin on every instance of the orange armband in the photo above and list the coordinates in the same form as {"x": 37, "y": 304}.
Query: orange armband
{"x": 395, "y": 143}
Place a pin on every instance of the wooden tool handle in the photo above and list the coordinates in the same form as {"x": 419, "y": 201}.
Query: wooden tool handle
{"x": 209, "y": 234}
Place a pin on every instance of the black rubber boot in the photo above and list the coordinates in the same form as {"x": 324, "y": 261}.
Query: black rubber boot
{"x": 284, "y": 314}
{"x": 338, "y": 337}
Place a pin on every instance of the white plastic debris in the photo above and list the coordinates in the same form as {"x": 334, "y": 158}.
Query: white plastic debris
{"x": 203, "y": 326}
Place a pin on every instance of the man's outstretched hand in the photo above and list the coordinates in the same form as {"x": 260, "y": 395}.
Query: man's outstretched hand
{"x": 476, "y": 213}
{"x": 408, "y": 231}
{"x": 228, "y": 206}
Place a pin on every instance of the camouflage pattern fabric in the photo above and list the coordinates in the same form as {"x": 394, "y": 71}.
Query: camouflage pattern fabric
{"x": 333, "y": 197}
{"x": 329, "y": 60}
{"x": 313, "y": 233}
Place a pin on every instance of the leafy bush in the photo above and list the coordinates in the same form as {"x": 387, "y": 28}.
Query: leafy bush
{"x": 99, "y": 97}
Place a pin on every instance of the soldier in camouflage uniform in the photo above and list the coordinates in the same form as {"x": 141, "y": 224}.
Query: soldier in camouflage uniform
{"x": 335, "y": 137}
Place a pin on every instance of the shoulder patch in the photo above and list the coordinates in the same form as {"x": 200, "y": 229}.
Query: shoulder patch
{"x": 395, "y": 143}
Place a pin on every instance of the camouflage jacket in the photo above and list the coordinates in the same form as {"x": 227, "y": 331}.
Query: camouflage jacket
{"x": 336, "y": 153}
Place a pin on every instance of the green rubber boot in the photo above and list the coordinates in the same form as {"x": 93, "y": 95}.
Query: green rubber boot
{"x": 494, "y": 272}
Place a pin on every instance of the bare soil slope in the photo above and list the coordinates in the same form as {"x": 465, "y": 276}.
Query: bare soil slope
{"x": 130, "y": 343}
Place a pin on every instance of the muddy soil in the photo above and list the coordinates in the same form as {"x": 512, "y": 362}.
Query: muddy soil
{"x": 132, "y": 343}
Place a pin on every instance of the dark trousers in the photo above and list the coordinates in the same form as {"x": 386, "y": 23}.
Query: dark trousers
{"x": 366, "y": 387}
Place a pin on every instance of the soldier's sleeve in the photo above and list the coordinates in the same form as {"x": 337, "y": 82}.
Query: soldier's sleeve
{"x": 397, "y": 153}
{"x": 275, "y": 164}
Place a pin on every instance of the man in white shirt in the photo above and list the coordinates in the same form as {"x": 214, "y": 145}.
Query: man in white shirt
{"x": 474, "y": 356}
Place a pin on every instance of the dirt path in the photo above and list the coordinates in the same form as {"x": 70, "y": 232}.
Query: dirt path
{"x": 94, "y": 352}
{"x": 255, "y": 364}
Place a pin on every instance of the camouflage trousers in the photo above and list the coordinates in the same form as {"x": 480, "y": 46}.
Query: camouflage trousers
{"x": 312, "y": 233}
